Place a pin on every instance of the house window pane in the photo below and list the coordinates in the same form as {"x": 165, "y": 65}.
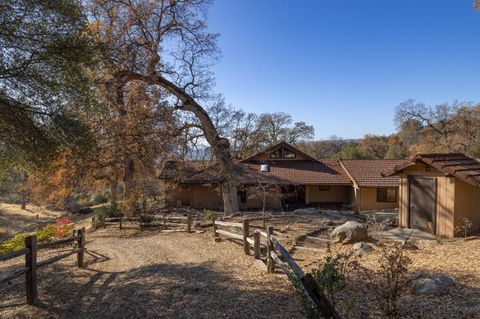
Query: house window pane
{"x": 324, "y": 188}
{"x": 276, "y": 154}
{"x": 386, "y": 195}
{"x": 288, "y": 154}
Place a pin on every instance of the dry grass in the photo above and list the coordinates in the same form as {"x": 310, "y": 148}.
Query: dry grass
{"x": 14, "y": 220}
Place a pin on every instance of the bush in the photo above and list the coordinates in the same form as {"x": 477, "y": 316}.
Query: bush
{"x": 101, "y": 198}
{"x": 391, "y": 280}
{"x": 108, "y": 211}
{"x": 61, "y": 229}
{"x": 209, "y": 214}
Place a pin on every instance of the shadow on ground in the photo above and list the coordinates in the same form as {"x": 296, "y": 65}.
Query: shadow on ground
{"x": 154, "y": 291}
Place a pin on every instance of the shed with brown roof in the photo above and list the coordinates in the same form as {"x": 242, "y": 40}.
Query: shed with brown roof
{"x": 438, "y": 192}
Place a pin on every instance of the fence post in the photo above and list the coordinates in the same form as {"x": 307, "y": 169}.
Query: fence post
{"x": 31, "y": 273}
{"x": 93, "y": 222}
{"x": 246, "y": 233}
{"x": 215, "y": 234}
{"x": 256, "y": 244}
{"x": 270, "y": 265}
{"x": 189, "y": 223}
{"x": 120, "y": 221}
{"x": 81, "y": 246}
{"x": 164, "y": 221}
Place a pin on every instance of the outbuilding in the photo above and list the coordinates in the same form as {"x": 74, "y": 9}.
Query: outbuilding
{"x": 438, "y": 192}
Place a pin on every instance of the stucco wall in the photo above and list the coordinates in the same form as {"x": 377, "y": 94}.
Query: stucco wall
{"x": 445, "y": 198}
{"x": 467, "y": 203}
{"x": 209, "y": 197}
{"x": 336, "y": 194}
{"x": 367, "y": 200}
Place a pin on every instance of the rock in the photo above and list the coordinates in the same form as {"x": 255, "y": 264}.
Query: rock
{"x": 350, "y": 232}
{"x": 362, "y": 248}
{"x": 432, "y": 284}
{"x": 307, "y": 211}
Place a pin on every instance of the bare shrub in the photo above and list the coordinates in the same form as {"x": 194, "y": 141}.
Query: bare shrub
{"x": 391, "y": 279}
{"x": 463, "y": 229}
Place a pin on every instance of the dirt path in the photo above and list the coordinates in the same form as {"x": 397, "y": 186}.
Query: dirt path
{"x": 155, "y": 275}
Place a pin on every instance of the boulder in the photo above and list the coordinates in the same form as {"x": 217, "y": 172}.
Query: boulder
{"x": 310, "y": 210}
{"x": 432, "y": 284}
{"x": 348, "y": 233}
{"x": 362, "y": 248}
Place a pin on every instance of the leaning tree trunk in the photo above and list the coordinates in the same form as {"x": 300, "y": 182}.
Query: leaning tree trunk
{"x": 220, "y": 146}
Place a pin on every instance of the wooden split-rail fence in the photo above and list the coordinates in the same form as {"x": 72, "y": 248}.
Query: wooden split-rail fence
{"x": 275, "y": 255}
{"x": 164, "y": 221}
{"x": 31, "y": 264}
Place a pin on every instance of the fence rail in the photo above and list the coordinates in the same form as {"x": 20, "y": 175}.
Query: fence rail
{"x": 31, "y": 263}
{"x": 277, "y": 256}
{"x": 146, "y": 221}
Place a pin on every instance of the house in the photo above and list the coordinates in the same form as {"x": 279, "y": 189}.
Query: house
{"x": 283, "y": 175}
{"x": 437, "y": 191}
{"x": 372, "y": 191}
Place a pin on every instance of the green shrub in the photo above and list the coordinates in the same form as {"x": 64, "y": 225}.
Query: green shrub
{"x": 45, "y": 234}
{"x": 209, "y": 214}
{"x": 101, "y": 198}
{"x": 15, "y": 243}
{"x": 110, "y": 211}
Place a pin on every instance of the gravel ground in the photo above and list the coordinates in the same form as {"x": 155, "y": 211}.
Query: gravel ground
{"x": 154, "y": 275}
{"x": 456, "y": 258}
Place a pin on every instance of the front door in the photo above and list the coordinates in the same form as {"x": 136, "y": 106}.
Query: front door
{"x": 422, "y": 202}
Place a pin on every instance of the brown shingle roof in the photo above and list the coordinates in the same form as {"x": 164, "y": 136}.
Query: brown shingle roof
{"x": 288, "y": 172}
{"x": 455, "y": 164}
{"x": 368, "y": 173}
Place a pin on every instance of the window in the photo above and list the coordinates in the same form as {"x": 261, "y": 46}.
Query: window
{"x": 324, "y": 188}
{"x": 288, "y": 154}
{"x": 243, "y": 196}
{"x": 386, "y": 195}
{"x": 276, "y": 154}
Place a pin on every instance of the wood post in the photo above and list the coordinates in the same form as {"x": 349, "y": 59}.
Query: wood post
{"x": 81, "y": 245}
{"x": 164, "y": 222}
{"x": 215, "y": 234}
{"x": 189, "y": 223}
{"x": 31, "y": 273}
{"x": 93, "y": 222}
{"x": 246, "y": 233}
{"x": 270, "y": 264}
{"x": 120, "y": 221}
{"x": 256, "y": 244}
{"x": 318, "y": 297}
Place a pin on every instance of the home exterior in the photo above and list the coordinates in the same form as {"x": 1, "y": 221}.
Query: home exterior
{"x": 437, "y": 191}
{"x": 372, "y": 191}
{"x": 285, "y": 177}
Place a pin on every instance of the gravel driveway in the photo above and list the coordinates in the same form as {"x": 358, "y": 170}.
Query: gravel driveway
{"x": 131, "y": 274}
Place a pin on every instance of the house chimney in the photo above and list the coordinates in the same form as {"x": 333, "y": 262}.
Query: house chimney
{"x": 264, "y": 168}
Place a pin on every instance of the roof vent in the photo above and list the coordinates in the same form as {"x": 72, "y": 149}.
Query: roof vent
{"x": 264, "y": 168}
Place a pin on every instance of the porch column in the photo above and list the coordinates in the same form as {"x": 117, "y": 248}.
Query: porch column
{"x": 307, "y": 195}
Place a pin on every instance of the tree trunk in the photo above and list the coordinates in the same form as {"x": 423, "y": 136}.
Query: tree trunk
{"x": 113, "y": 191}
{"x": 128, "y": 181}
{"x": 220, "y": 146}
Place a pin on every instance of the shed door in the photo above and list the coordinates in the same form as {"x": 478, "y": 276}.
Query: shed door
{"x": 423, "y": 199}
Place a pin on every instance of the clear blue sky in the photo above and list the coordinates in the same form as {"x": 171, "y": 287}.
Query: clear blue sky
{"x": 343, "y": 65}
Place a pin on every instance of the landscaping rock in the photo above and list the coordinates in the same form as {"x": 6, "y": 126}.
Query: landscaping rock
{"x": 432, "y": 284}
{"x": 350, "y": 232}
{"x": 310, "y": 210}
{"x": 362, "y": 248}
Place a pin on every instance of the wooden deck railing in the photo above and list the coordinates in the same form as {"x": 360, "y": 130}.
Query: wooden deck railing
{"x": 31, "y": 265}
{"x": 277, "y": 256}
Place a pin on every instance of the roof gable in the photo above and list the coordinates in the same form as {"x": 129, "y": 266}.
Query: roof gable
{"x": 455, "y": 164}
{"x": 279, "y": 152}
